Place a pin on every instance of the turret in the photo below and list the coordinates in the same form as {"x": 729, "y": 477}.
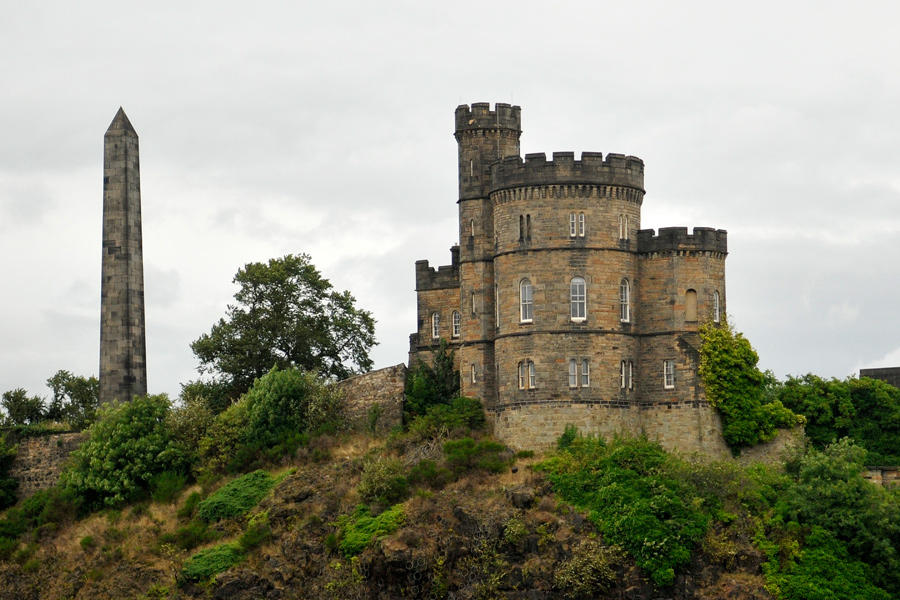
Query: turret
{"x": 484, "y": 137}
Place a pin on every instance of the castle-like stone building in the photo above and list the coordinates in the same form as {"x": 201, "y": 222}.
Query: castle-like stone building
{"x": 560, "y": 308}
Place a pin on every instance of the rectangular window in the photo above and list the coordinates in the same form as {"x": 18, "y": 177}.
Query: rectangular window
{"x": 521, "y": 375}
{"x": 622, "y": 375}
{"x": 531, "y": 375}
{"x": 435, "y": 325}
{"x": 573, "y": 375}
{"x": 473, "y": 304}
{"x": 526, "y": 301}
{"x": 577, "y": 295}
{"x": 572, "y": 230}
{"x": 669, "y": 374}
{"x": 630, "y": 375}
{"x": 581, "y": 224}
{"x": 497, "y": 306}
{"x": 585, "y": 373}
{"x": 473, "y": 372}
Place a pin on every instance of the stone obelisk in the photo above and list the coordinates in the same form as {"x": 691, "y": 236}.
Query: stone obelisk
{"x": 123, "y": 352}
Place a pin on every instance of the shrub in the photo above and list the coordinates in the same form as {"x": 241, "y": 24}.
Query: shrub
{"x": 258, "y": 531}
{"x": 236, "y": 497}
{"x": 382, "y": 480}
{"x": 428, "y": 472}
{"x": 467, "y": 454}
{"x": 190, "y": 536}
{"x": 166, "y": 486}
{"x": 206, "y": 563}
{"x": 633, "y": 500}
{"x": 88, "y": 543}
{"x": 460, "y": 414}
{"x": 127, "y": 447}
{"x": 360, "y": 529}
{"x": 738, "y": 389}
{"x": 428, "y": 386}
{"x": 190, "y": 506}
{"x": 8, "y": 484}
{"x": 588, "y": 572}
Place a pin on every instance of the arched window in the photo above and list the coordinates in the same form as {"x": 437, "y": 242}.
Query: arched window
{"x": 690, "y": 305}
{"x": 573, "y": 228}
{"x": 585, "y": 373}
{"x": 630, "y": 375}
{"x": 521, "y": 375}
{"x": 473, "y": 303}
{"x": 435, "y": 325}
{"x": 623, "y": 227}
{"x": 580, "y": 224}
{"x": 456, "y": 321}
{"x": 521, "y": 228}
{"x": 472, "y": 227}
{"x": 716, "y": 310}
{"x": 573, "y": 373}
{"x": 528, "y": 227}
{"x": 624, "y": 301}
{"x": 526, "y": 301}
{"x": 473, "y": 373}
{"x": 497, "y": 305}
{"x": 623, "y": 375}
{"x": 577, "y": 299}
{"x": 532, "y": 380}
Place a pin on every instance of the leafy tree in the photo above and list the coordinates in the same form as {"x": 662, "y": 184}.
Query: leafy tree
{"x": 75, "y": 399}
{"x": 738, "y": 389}
{"x": 427, "y": 386}
{"x": 864, "y": 409}
{"x": 215, "y": 395}
{"x": 286, "y": 315}
{"x": 128, "y": 446}
{"x": 22, "y": 409}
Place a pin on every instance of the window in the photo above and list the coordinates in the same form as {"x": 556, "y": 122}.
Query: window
{"x": 456, "y": 321}
{"x": 690, "y": 305}
{"x": 521, "y": 228}
{"x": 526, "y": 375}
{"x": 626, "y": 375}
{"x": 472, "y": 227}
{"x": 580, "y": 224}
{"x": 572, "y": 225}
{"x": 497, "y": 305}
{"x": 473, "y": 373}
{"x": 473, "y": 304}
{"x": 624, "y": 301}
{"x": 576, "y": 224}
{"x": 577, "y": 299}
{"x": 435, "y": 325}
{"x": 573, "y": 373}
{"x": 669, "y": 374}
{"x": 585, "y": 373}
{"x": 623, "y": 227}
{"x": 528, "y": 227}
{"x": 526, "y": 301}
{"x": 630, "y": 375}
{"x": 716, "y": 312}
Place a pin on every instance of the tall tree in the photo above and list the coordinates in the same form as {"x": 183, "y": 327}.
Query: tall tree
{"x": 75, "y": 399}
{"x": 22, "y": 409}
{"x": 286, "y": 315}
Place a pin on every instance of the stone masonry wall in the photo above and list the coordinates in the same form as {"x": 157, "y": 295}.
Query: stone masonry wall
{"x": 383, "y": 388}
{"x": 40, "y": 460}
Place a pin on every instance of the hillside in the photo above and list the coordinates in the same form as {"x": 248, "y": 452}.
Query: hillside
{"x": 485, "y": 535}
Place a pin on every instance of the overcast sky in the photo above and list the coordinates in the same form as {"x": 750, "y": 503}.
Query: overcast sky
{"x": 326, "y": 128}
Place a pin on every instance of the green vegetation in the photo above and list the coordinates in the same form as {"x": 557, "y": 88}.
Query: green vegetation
{"x": 382, "y": 480}
{"x": 738, "y": 389}
{"x": 74, "y": 403}
{"x": 287, "y": 315}
{"x": 212, "y": 561}
{"x": 8, "y": 484}
{"x": 466, "y": 454}
{"x": 360, "y": 529}
{"x": 127, "y": 448}
{"x": 632, "y": 498}
{"x": 236, "y": 497}
{"x": 866, "y": 410}
{"x": 431, "y": 385}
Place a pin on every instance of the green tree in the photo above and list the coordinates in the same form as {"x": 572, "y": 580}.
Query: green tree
{"x": 22, "y": 409}
{"x": 75, "y": 399}
{"x": 8, "y": 485}
{"x": 127, "y": 447}
{"x": 286, "y": 315}
{"x": 738, "y": 389}
{"x": 430, "y": 385}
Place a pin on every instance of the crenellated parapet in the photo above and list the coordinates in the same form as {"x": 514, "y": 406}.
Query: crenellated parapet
{"x": 480, "y": 116}
{"x": 440, "y": 278}
{"x": 703, "y": 239}
{"x": 614, "y": 170}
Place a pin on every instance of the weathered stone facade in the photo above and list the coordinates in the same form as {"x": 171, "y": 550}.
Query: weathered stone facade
{"x": 375, "y": 394}
{"x": 886, "y": 476}
{"x": 40, "y": 460}
{"x": 123, "y": 352}
{"x": 889, "y": 375}
{"x": 567, "y": 311}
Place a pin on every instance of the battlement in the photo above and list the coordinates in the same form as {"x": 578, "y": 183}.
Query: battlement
{"x": 480, "y": 116}
{"x": 616, "y": 169}
{"x": 442, "y": 277}
{"x": 705, "y": 239}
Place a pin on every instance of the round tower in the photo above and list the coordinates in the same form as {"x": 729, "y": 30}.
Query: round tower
{"x": 484, "y": 136}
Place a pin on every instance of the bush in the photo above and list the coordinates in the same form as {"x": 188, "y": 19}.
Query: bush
{"x": 190, "y": 536}
{"x": 459, "y": 415}
{"x": 467, "y": 454}
{"x": 206, "y": 563}
{"x": 739, "y": 390}
{"x": 189, "y": 507}
{"x": 258, "y": 531}
{"x": 360, "y": 529}
{"x": 166, "y": 486}
{"x": 127, "y": 447}
{"x": 427, "y": 472}
{"x": 428, "y": 386}
{"x": 588, "y": 572}
{"x": 383, "y": 481}
{"x": 633, "y": 500}
{"x": 236, "y": 497}
{"x": 8, "y": 484}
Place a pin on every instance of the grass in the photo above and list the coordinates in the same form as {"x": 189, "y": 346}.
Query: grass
{"x": 236, "y": 497}
{"x": 361, "y": 528}
{"x": 206, "y": 563}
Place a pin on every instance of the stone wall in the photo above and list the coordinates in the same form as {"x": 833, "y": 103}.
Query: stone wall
{"x": 776, "y": 449}
{"x": 685, "y": 427}
{"x": 382, "y": 388}
{"x": 886, "y": 476}
{"x": 40, "y": 460}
